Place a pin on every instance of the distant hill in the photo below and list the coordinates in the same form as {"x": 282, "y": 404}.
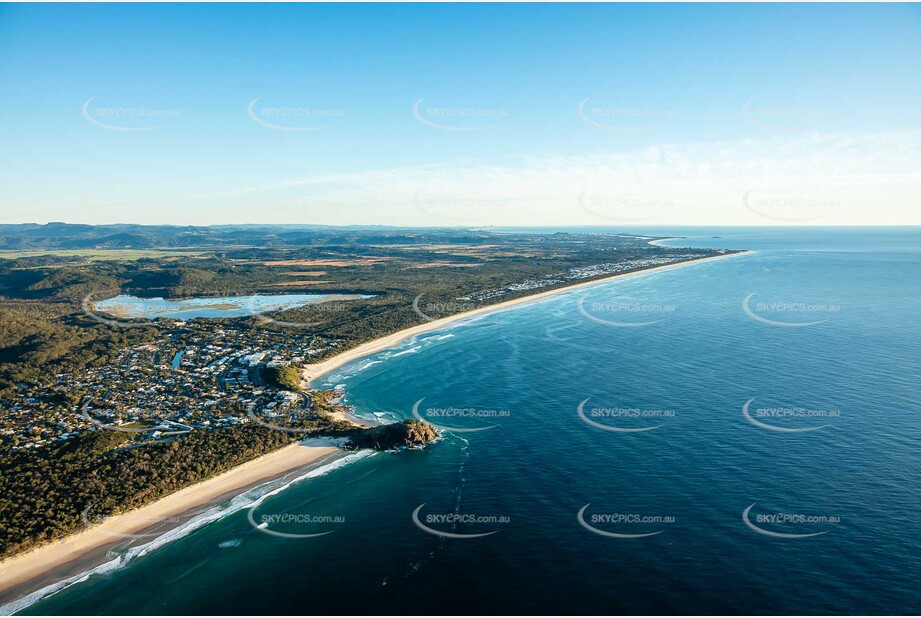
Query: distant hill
{"x": 32, "y": 236}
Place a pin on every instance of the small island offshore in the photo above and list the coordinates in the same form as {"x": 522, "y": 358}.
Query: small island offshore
{"x": 118, "y": 427}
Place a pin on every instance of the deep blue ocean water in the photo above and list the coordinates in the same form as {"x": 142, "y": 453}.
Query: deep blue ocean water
{"x": 810, "y": 504}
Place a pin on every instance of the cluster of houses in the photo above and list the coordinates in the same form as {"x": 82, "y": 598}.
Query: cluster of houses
{"x": 199, "y": 376}
{"x": 583, "y": 272}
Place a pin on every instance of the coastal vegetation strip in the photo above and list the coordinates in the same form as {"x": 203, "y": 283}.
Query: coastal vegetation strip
{"x": 80, "y": 551}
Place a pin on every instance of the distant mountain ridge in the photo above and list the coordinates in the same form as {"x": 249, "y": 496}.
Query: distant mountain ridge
{"x": 58, "y": 235}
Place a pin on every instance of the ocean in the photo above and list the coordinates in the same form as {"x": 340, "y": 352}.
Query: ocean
{"x": 739, "y": 436}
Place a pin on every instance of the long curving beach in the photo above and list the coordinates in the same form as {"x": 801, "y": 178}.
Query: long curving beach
{"x": 314, "y": 371}
{"x": 75, "y": 554}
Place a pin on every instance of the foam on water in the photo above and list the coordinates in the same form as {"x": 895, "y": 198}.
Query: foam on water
{"x": 409, "y": 351}
{"x": 230, "y": 544}
{"x": 248, "y": 499}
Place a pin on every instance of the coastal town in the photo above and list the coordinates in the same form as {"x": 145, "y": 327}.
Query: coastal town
{"x": 199, "y": 376}
{"x": 205, "y": 374}
{"x": 585, "y": 272}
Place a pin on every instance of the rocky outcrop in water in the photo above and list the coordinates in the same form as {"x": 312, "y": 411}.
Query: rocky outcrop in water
{"x": 408, "y": 434}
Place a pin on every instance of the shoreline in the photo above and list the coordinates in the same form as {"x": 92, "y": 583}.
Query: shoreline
{"x": 44, "y": 566}
{"x": 76, "y": 554}
{"x": 316, "y": 370}
{"x": 348, "y": 417}
{"x": 658, "y": 241}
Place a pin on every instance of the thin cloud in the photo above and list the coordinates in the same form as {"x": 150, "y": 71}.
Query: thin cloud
{"x": 838, "y": 179}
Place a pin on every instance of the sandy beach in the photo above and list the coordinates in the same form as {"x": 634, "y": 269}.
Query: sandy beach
{"x": 314, "y": 371}
{"x": 659, "y": 241}
{"x": 79, "y": 552}
{"x": 348, "y": 417}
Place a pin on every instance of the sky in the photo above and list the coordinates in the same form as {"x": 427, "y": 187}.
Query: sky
{"x": 471, "y": 115}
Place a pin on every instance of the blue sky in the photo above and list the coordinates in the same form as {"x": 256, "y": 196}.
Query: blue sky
{"x": 461, "y": 115}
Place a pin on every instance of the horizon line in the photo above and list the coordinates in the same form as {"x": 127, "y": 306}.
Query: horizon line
{"x": 467, "y": 227}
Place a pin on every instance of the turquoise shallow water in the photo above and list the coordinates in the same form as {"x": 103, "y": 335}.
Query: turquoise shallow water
{"x": 847, "y": 472}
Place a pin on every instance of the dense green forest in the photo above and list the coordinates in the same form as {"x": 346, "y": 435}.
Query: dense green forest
{"x": 287, "y": 377}
{"x": 43, "y": 493}
{"x": 38, "y": 340}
